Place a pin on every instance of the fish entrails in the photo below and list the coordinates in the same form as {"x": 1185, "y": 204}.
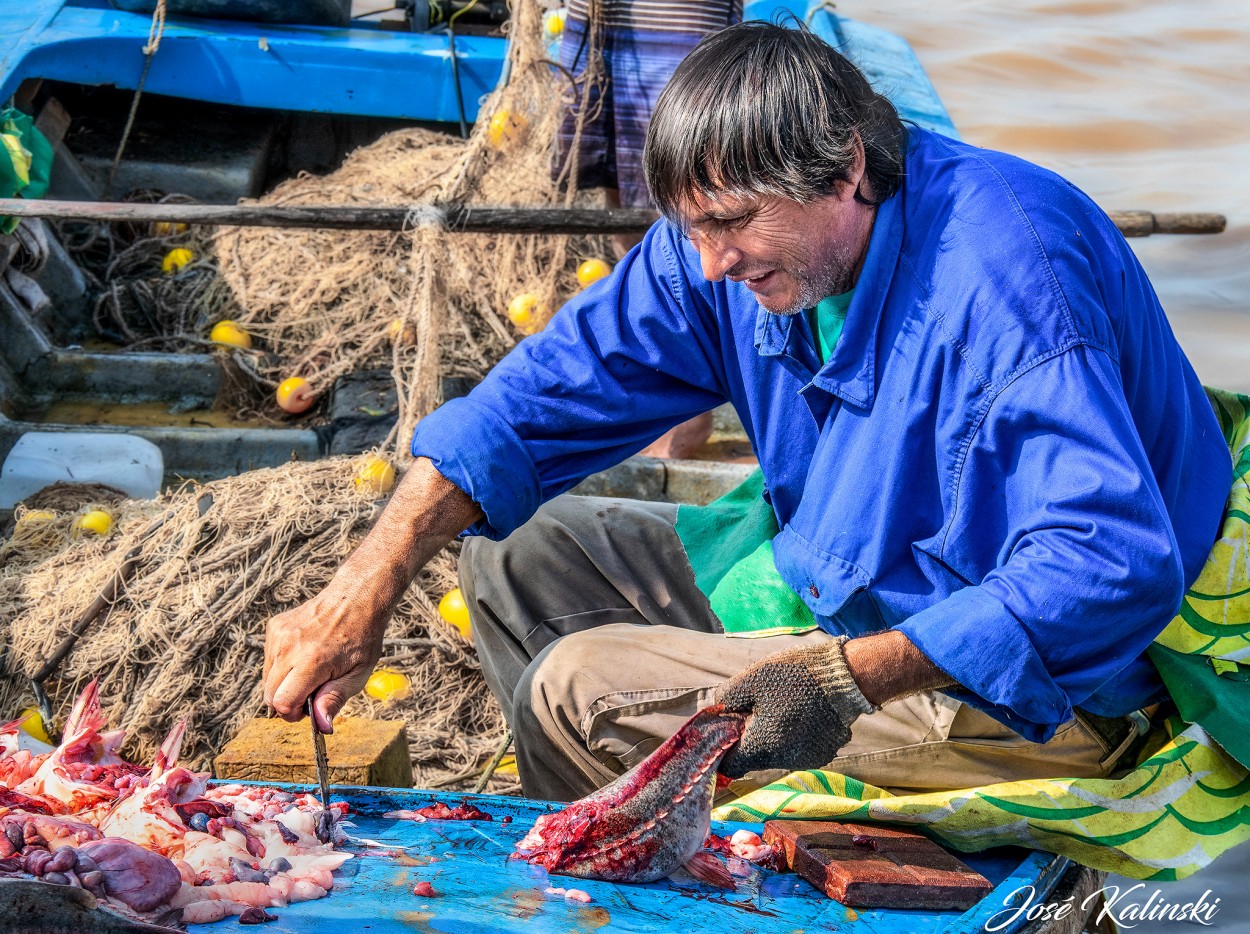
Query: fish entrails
{"x": 145, "y": 844}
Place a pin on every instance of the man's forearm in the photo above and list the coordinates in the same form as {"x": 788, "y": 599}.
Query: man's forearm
{"x": 887, "y": 665}
{"x": 425, "y": 512}
{"x": 328, "y": 646}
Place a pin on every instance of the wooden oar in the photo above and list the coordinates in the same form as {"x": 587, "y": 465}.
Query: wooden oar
{"x": 459, "y": 219}
{"x": 1144, "y": 223}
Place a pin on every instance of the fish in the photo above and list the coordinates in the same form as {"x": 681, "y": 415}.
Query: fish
{"x": 82, "y": 774}
{"x": 651, "y": 821}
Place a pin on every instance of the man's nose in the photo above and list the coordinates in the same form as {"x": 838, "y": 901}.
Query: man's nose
{"x": 717, "y": 258}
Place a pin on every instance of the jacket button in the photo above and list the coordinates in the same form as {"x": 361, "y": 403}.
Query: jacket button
{"x": 813, "y": 591}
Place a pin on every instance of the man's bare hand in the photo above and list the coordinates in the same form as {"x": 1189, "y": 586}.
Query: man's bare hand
{"x": 330, "y": 644}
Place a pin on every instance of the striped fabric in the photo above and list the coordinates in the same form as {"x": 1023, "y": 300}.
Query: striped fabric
{"x": 638, "y": 58}
{"x": 691, "y": 16}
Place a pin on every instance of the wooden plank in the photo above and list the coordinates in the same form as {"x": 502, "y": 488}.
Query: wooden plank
{"x": 53, "y": 122}
{"x": 1080, "y": 887}
{"x": 870, "y": 866}
{"x": 361, "y": 752}
{"x": 461, "y": 219}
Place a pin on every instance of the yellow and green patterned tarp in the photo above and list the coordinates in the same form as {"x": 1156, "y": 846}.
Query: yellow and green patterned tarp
{"x": 25, "y": 160}
{"x": 1184, "y": 805}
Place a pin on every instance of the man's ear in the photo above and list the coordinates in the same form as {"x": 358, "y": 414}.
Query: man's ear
{"x": 852, "y": 187}
{"x": 857, "y": 185}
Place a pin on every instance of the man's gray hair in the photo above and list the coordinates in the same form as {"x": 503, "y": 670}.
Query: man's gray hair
{"x": 760, "y": 109}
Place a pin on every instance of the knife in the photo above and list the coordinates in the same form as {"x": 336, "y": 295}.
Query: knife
{"x": 324, "y": 822}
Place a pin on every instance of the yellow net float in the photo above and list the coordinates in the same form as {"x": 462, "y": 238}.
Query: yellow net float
{"x": 591, "y": 271}
{"x": 455, "y": 613}
{"x": 506, "y": 129}
{"x": 295, "y": 395}
{"x": 229, "y": 334}
{"x": 93, "y": 522}
{"x": 388, "y": 685}
{"x": 375, "y": 476}
{"x": 553, "y": 23}
{"x": 525, "y": 312}
{"x": 175, "y": 260}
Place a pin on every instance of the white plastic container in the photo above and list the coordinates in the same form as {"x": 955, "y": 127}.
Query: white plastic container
{"x": 39, "y": 458}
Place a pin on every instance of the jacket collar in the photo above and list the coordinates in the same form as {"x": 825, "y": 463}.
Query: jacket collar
{"x": 850, "y": 373}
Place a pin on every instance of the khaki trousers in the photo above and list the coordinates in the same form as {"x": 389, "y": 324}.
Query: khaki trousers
{"x": 598, "y": 645}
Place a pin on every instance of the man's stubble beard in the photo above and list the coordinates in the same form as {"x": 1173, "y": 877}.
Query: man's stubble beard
{"x": 834, "y": 277}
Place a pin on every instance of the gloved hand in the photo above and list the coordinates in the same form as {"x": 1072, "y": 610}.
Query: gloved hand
{"x": 802, "y": 701}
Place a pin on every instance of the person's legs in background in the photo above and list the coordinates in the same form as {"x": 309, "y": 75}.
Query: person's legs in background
{"x": 637, "y": 63}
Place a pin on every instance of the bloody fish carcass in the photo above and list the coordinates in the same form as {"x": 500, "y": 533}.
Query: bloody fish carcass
{"x": 649, "y": 822}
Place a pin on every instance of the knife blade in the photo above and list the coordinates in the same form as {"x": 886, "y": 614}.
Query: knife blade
{"x": 324, "y": 822}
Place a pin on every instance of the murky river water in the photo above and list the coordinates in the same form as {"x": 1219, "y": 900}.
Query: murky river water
{"x": 1141, "y": 103}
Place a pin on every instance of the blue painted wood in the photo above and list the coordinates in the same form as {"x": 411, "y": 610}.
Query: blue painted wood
{"x": 481, "y": 890}
{"x": 359, "y": 70}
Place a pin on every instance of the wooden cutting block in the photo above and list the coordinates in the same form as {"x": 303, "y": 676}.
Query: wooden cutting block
{"x": 870, "y": 866}
{"x": 361, "y": 752}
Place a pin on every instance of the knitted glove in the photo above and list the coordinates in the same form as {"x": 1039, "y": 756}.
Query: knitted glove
{"x": 802, "y": 702}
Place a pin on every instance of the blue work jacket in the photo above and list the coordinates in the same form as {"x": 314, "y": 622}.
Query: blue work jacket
{"x": 1007, "y": 455}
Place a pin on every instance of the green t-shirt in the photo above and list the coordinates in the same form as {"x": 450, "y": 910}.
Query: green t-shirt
{"x": 730, "y": 542}
{"x": 827, "y": 320}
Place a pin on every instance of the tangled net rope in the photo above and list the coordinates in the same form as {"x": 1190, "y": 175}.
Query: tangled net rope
{"x": 185, "y": 637}
{"x": 325, "y": 303}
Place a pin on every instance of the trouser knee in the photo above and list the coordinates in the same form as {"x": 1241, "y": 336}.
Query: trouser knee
{"x": 546, "y": 698}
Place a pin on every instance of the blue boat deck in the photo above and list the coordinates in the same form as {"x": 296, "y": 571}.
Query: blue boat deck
{"x": 480, "y": 890}
{"x": 361, "y": 70}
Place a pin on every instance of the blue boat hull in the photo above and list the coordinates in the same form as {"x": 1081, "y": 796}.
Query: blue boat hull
{"x": 359, "y": 70}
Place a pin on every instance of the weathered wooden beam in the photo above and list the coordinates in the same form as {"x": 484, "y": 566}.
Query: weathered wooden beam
{"x": 461, "y": 219}
{"x": 452, "y": 218}
{"x": 1145, "y": 223}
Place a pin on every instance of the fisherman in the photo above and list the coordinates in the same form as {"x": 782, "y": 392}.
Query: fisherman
{"x": 988, "y": 471}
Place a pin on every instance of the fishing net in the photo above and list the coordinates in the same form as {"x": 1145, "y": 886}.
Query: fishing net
{"x": 324, "y": 303}
{"x": 185, "y": 636}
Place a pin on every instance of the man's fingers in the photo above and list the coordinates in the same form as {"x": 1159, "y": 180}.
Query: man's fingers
{"x": 273, "y": 679}
{"x": 270, "y": 651}
{"x": 275, "y": 672}
{"x": 288, "y": 699}
{"x": 335, "y": 693}
{"x": 731, "y": 766}
{"x": 326, "y": 706}
{"x": 277, "y": 655}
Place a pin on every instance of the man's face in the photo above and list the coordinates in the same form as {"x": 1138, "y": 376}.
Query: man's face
{"x": 790, "y": 255}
